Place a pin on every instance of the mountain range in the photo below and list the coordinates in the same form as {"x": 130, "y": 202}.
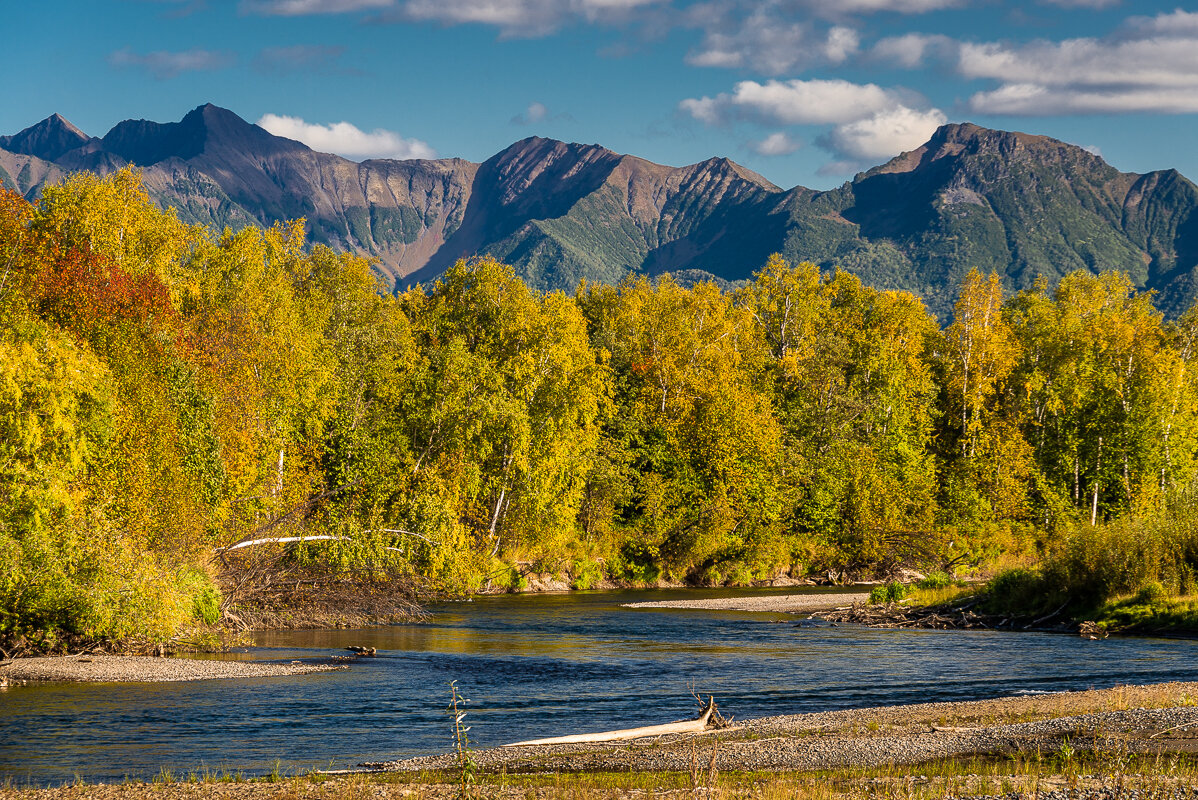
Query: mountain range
{"x": 1020, "y": 204}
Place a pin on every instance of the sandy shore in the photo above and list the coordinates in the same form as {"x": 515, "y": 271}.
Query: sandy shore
{"x": 101, "y": 668}
{"x": 781, "y": 603}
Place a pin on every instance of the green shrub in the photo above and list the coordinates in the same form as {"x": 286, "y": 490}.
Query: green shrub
{"x": 586, "y": 574}
{"x": 516, "y": 582}
{"x": 1151, "y": 593}
{"x": 739, "y": 575}
{"x": 205, "y": 596}
{"x": 1017, "y": 591}
{"x": 935, "y": 580}
{"x": 888, "y": 593}
{"x": 637, "y": 562}
{"x": 1148, "y": 560}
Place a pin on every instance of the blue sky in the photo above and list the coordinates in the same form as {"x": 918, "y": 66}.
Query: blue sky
{"x": 802, "y": 91}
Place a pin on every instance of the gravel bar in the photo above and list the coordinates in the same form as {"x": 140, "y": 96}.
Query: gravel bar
{"x": 785, "y": 603}
{"x": 880, "y": 736}
{"x": 108, "y": 669}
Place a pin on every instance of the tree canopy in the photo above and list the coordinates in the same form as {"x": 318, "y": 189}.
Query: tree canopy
{"x": 168, "y": 391}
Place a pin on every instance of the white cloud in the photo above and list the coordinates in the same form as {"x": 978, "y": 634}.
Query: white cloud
{"x": 536, "y": 112}
{"x": 766, "y": 37}
{"x": 1151, "y": 62}
{"x": 842, "y": 43}
{"x": 512, "y": 17}
{"x": 1178, "y": 23}
{"x": 1082, "y": 3}
{"x": 519, "y": 17}
{"x": 777, "y": 144}
{"x": 708, "y": 110}
{"x": 911, "y": 49}
{"x": 870, "y": 122}
{"x": 844, "y": 7}
{"x": 1038, "y": 100}
{"x": 1148, "y": 65}
{"x": 795, "y": 102}
{"x": 885, "y": 134}
{"x": 167, "y": 64}
{"x": 297, "y": 8}
{"x": 347, "y": 140}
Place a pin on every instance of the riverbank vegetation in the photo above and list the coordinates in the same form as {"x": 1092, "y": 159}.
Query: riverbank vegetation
{"x": 1135, "y": 573}
{"x": 168, "y": 393}
{"x": 1067, "y": 772}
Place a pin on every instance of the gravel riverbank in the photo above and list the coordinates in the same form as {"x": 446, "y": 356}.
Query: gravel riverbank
{"x": 782, "y": 603}
{"x": 103, "y": 668}
{"x": 1135, "y": 718}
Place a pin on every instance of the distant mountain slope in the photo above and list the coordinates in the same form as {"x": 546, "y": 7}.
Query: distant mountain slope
{"x": 1022, "y": 205}
{"x": 971, "y": 197}
{"x": 47, "y": 140}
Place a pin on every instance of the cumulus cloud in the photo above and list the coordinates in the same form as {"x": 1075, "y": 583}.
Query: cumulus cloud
{"x": 838, "y": 8}
{"x": 766, "y": 37}
{"x": 795, "y": 102}
{"x": 779, "y": 34}
{"x": 167, "y": 64}
{"x": 912, "y": 49}
{"x": 516, "y": 17}
{"x": 299, "y": 8}
{"x": 777, "y": 144}
{"x": 1082, "y": 3}
{"x": 1149, "y": 65}
{"x": 347, "y": 140}
{"x": 536, "y": 112}
{"x": 884, "y": 134}
{"x": 869, "y": 122}
{"x": 1177, "y": 23}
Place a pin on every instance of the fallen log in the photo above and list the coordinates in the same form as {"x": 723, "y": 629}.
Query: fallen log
{"x": 698, "y": 725}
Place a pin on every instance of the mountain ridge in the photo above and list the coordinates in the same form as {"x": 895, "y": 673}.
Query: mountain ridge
{"x": 1022, "y": 204}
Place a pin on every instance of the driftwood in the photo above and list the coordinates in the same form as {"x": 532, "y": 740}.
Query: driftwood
{"x": 709, "y": 716}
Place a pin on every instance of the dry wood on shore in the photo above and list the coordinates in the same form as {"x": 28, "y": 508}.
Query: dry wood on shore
{"x": 960, "y": 615}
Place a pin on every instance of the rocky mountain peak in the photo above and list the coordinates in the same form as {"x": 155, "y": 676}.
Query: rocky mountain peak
{"x": 962, "y": 140}
{"x": 206, "y": 129}
{"x": 550, "y": 165}
{"x": 727, "y": 169}
{"x": 48, "y": 139}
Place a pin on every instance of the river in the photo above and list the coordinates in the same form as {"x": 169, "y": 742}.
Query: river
{"x": 534, "y": 665}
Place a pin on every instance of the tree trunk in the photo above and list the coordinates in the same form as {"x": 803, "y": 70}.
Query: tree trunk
{"x": 690, "y": 726}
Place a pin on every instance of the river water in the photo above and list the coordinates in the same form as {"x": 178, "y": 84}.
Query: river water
{"x": 532, "y": 666}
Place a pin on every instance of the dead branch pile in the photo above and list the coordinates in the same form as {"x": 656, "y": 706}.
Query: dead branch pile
{"x": 960, "y": 615}
{"x": 265, "y": 588}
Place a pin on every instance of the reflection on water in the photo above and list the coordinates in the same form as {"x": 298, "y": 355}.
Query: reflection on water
{"x": 533, "y": 666}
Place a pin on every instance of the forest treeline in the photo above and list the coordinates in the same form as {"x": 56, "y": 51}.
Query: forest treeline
{"x": 167, "y": 391}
